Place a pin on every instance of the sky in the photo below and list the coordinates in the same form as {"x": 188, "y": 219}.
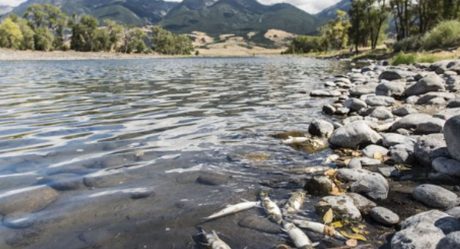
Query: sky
{"x": 311, "y": 6}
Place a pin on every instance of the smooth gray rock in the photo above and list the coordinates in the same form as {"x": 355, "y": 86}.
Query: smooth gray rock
{"x": 373, "y": 100}
{"x": 321, "y": 128}
{"x": 433, "y": 98}
{"x": 388, "y": 171}
{"x": 361, "y": 90}
{"x": 366, "y": 161}
{"x": 342, "y": 205}
{"x": 19, "y": 220}
{"x": 403, "y": 153}
{"x": 392, "y": 75}
{"x": 372, "y": 149}
{"x": 454, "y": 212}
{"x": 391, "y": 139}
{"x": 430, "y": 83}
{"x": 381, "y": 113}
{"x": 355, "y": 163}
{"x": 384, "y": 216}
{"x": 452, "y": 136}
{"x": 447, "y": 166}
{"x": 435, "y": 196}
{"x": 455, "y": 103}
{"x": 354, "y": 135}
{"x": 329, "y": 109}
{"x": 404, "y": 111}
{"x": 419, "y": 237}
{"x": 27, "y": 200}
{"x": 432, "y": 125}
{"x": 447, "y": 113}
{"x": 355, "y": 104}
{"x": 391, "y": 88}
{"x": 325, "y": 93}
{"x": 422, "y": 123}
{"x": 429, "y": 147}
{"x": 434, "y": 217}
{"x": 365, "y": 182}
{"x": 361, "y": 202}
{"x": 342, "y": 111}
{"x": 451, "y": 241}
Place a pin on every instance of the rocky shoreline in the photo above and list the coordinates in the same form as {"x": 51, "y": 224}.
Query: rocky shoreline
{"x": 391, "y": 125}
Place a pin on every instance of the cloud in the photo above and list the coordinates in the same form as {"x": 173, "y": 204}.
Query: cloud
{"x": 311, "y": 6}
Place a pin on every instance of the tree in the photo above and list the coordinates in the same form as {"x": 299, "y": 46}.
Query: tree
{"x": 377, "y": 15}
{"x": 43, "y": 39}
{"x": 84, "y": 34}
{"x": 40, "y": 16}
{"x": 165, "y": 42}
{"x": 358, "y": 32}
{"x": 115, "y": 32}
{"x": 27, "y": 33}
{"x": 135, "y": 41}
{"x": 403, "y": 17}
{"x": 335, "y": 33}
{"x": 10, "y": 34}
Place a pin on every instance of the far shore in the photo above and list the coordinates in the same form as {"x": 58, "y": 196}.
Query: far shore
{"x": 18, "y": 55}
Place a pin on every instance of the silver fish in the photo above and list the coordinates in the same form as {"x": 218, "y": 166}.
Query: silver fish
{"x": 271, "y": 208}
{"x": 213, "y": 241}
{"x": 297, "y": 236}
{"x": 231, "y": 209}
{"x": 295, "y": 203}
{"x": 318, "y": 228}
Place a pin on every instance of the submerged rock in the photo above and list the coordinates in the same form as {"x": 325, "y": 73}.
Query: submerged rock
{"x": 27, "y": 200}
{"x": 260, "y": 224}
{"x": 214, "y": 179}
{"x": 435, "y": 196}
{"x": 452, "y": 136}
{"x": 354, "y": 135}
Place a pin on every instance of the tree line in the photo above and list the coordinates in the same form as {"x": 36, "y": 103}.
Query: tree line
{"x": 414, "y": 24}
{"x": 45, "y": 27}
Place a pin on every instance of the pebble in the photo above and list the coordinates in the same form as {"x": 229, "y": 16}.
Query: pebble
{"x": 384, "y": 216}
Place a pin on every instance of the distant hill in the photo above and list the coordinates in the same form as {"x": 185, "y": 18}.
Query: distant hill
{"x": 5, "y": 9}
{"x": 330, "y": 13}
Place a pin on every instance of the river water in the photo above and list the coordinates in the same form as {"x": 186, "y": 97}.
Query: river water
{"x": 117, "y": 146}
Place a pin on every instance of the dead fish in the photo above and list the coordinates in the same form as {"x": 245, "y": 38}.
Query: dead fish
{"x": 213, "y": 241}
{"x": 271, "y": 208}
{"x": 297, "y": 236}
{"x": 319, "y": 228}
{"x": 292, "y": 140}
{"x": 294, "y": 203}
{"x": 310, "y": 170}
{"x": 232, "y": 209}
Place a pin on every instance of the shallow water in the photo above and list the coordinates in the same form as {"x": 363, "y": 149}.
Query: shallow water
{"x": 123, "y": 143}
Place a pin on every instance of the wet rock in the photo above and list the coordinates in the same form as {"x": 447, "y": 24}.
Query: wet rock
{"x": 354, "y": 135}
{"x": 365, "y": 182}
{"x": 319, "y": 186}
{"x": 435, "y": 196}
{"x": 391, "y": 139}
{"x": 329, "y": 109}
{"x": 260, "y": 224}
{"x": 403, "y": 153}
{"x": 452, "y": 136}
{"x": 373, "y": 151}
{"x": 429, "y": 147}
{"x": 321, "y": 128}
{"x": 27, "y": 200}
{"x": 384, "y": 216}
{"x": 373, "y": 100}
{"x": 430, "y": 83}
{"x": 17, "y": 181}
{"x": 361, "y": 202}
{"x": 18, "y": 220}
{"x": 342, "y": 206}
{"x": 391, "y": 88}
{"x": 447, "y": 166}
{"x": 325, "y": 93}
{"x": 64, "y": 182}
{"x": 355, "y": 104}
{"x": 141, "y": 193}
{"x": 404, "y": 111}
{"x": 213, "y": 179}
{"x": 392, "y": 75}
{"x": 106, "y": 178}
{"x": 452, "y": 240}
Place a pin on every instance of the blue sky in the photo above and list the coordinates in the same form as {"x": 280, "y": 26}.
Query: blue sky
{"x": 311, "y": 6}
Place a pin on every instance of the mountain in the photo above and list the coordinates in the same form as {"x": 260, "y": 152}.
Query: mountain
{"x": 5, "y": 9}
{"x": 131, "y": 12}
{"x": 330, "y": 13}
{"x": 237, "y": 17}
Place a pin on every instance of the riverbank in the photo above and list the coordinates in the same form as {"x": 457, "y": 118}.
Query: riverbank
{"x": 18, "y": 55}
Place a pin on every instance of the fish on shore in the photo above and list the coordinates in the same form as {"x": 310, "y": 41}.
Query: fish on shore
{"x": 298, "y": 237}
{"x": 294, "y": 204}
{"x": 292, "y": 140}
{"x": 318, "y": 228}
{"x": 213, "y": 241}
{"x": 309, "y": 170}
{"x": 271, "y": 208}
{"x": 232, "y": 209}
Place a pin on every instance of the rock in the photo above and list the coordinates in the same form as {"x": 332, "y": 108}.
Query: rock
{"x": 447, "y": 166}
{"x": 106, "y": 178}
{"x": 213, "y": 179}
{"x": 381, "y": 113}
{"x": 402, "y": 153}
{"x": 27, "y": 200}
{"x": 354, "y": 135}
{"x": 355, "y": 104}
{"x": 321, "y": 128}
{"x": 454, "y": 212}
{"x": 374, "y": 151}
{"x": 452, "y": 241}
{"x": 342, "y": 206}
{"x": 429, "y": 147}
{"x": 392, "y": 75}
{"x": 391, "y": 139}
{"x": 373, "y": 100}
{"x": 404, "y": 111}
{"x": 18, "y": 220}
{"x": 325, "y": 93}
{"x": 388, "y": 171}
{"x": 361, "y": 90}
{"x": 342, "y": 111}
{"x": 361, "y": 202}
{"x": 435, "y": 98}
{"x": 260, "y": 224}
{"x": 329, "y": 109}
{"x": 365, "y": 182}
{"x": 384, "y": 216}
{"x": 391, "y": 88}
{"x": 417, "y": 238}
{"x": 319, "y": 186}
{"x": 64, "y": 182}
{"x": 435, "y": 196}
{"x": 355, "y": 163}
{"x": 452, "y": 136}
{"x": 447, "y": 113}
{"x": 366, "y": 161}
{"x": 430, "y": 83}
{"x": 422, "y": 123}
{"x": 443, "y": 221}
{"x": 455, "y": 103}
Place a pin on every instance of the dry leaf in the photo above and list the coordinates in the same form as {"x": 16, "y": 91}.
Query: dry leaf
{"x": 329, "y": 231}
{"x": 353, "y": 235}
{"x": 328, "y": 216}
{"x": 352, "y": 243}
{"x": 337, "y": 224}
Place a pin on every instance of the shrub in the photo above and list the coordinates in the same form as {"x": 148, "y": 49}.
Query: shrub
{"x": 305, "y": 44}
{"x": 412, "y": 43}
{"x": 444, "y": 35}
{"x": 402, "y": 58}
